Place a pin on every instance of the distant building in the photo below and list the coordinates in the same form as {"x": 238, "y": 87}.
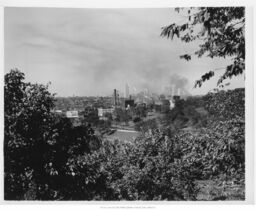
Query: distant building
{"x": 165, "y": 105}
{"x": 176, "y": 98}
{"x": 157, "y": 106}
{"x": 168, "y": 90}
{"x": 116, "y": 98}
{"x": 162, "y": 97}
{"x": 178, "y": 92}
{"x": 57, "y": 111}
{"x": 126, "y": 91}
{"x": 129, "y": 102}
{"x": 102, "y": 112}
{"x": 172, "y": 104}
{"x": 72, "y": 114}
{"x": 141, "y": 99}
{"x": 162, "y": 105}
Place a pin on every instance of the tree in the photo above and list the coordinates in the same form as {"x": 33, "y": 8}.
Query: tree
{"x": 222, "y": 35}
{"x": 91, "y": 116}
{"x": 27, "y": 117}
{"x": 121, "y": 115}
{"x": 145, "y": 126}
{"x": 140, "y": 111}
{"x": 37, "y": 144}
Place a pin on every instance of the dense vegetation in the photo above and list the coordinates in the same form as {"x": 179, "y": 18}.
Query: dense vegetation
{"x": 46, "y": 158}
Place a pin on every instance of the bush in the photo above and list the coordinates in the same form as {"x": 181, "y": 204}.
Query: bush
{"x": 136, "y": 119}
{"x": 226, "y": 104}
{"x": 144, "y": 126}
{"x": 145, "y": 170}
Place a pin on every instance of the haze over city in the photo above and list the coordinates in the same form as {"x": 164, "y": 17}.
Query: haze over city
{"x": 88, "y": 52}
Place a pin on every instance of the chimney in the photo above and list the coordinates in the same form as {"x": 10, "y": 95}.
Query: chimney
{"x": 126, "y": 91}
{"x": 115, "y": 98}
{"x": 178, "y": 92}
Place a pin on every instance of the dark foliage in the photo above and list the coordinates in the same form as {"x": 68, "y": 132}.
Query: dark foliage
{"x": 38, "y": 144}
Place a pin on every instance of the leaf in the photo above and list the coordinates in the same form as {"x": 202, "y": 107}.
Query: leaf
{"x": 184, "y": 27}
{"x": 186, "y": 57}
{"x": 205, "y": 77}
{"x": 177, "y": 9}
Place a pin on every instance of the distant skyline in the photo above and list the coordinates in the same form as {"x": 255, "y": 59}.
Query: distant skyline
{"x": 86, "y": 52}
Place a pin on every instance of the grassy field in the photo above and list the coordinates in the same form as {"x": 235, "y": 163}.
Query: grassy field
{"x": 123, "y": 135}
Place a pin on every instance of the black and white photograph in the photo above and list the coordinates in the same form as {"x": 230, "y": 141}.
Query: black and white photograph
{"x": 124, "y": 104}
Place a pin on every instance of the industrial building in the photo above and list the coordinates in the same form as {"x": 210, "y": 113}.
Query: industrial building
{"x": 102, "y": 112}
{"x": 127, "y": 94}
{"x": 129, "y": 103}
{"x": 72, "y": 114}
{"x": 162, "y": 105}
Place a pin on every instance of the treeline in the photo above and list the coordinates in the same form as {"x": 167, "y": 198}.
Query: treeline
{"x": 46, "y": 158}
{"x": 78, "y": 103}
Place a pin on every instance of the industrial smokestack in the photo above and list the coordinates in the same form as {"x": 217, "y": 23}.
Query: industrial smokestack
{"x": 172, "y": 90}
{"x": 126, "y": 91}
{"x": 115, "y": 97}
{"x": 178, "y": 92}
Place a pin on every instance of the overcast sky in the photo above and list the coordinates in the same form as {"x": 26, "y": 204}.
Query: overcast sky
{"x": 92, "y": 51}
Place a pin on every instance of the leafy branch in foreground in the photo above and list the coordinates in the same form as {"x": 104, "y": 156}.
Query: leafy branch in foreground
{"x": 221, "y": 35}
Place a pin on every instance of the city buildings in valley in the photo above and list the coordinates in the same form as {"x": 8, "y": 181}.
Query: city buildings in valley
{"x": 72, "y": 114}
{"x": 102, "y": 112}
